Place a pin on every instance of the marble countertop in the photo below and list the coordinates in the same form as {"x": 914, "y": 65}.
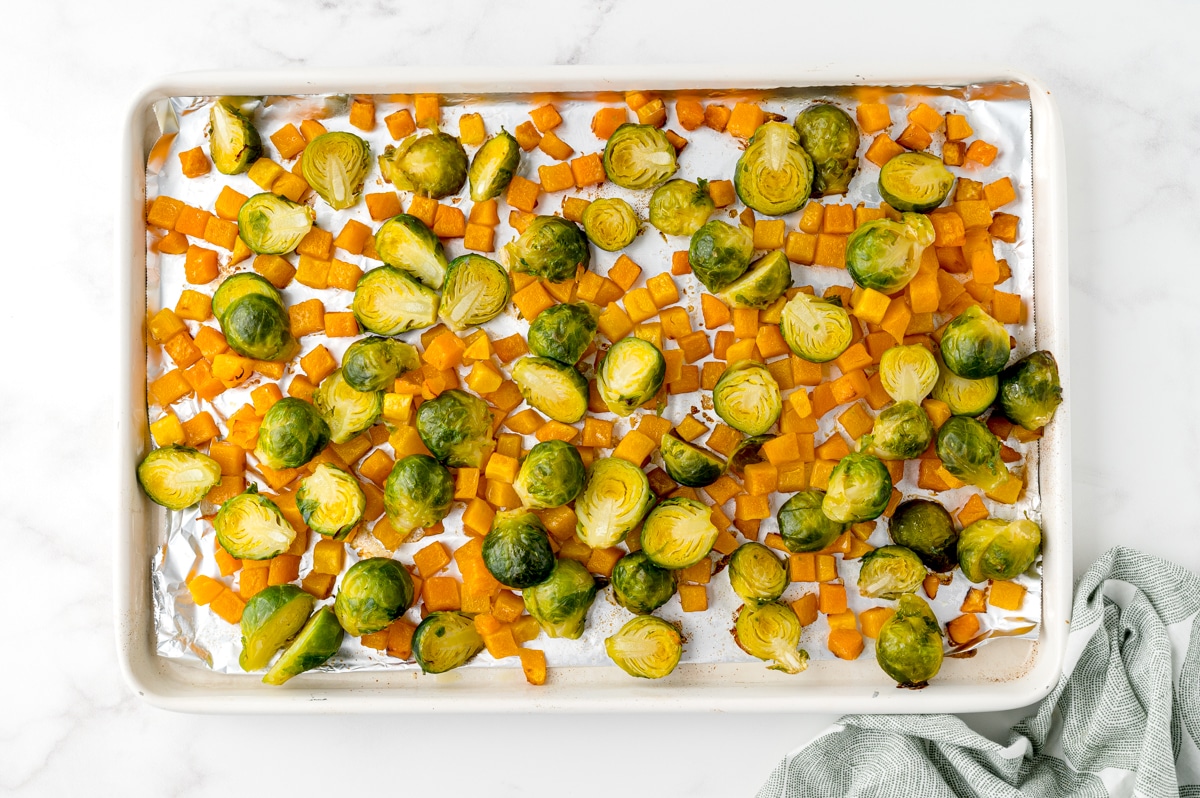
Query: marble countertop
{"x": 1124, "y": 86}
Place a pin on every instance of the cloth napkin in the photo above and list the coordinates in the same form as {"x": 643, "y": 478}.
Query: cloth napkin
{"x": 1123, "y": 721}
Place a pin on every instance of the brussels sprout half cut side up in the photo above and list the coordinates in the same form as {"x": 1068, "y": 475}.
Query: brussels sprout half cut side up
{"x": 610, "y": 223}
{"x": 975, "y": 345}
{"x": 564, "y": 332}
{"x": 646, "y": 647}
{"x": 417, "y": 493}
{"x": 747, "y": 397}
{"x": 774, "y": 175}
{"x": 493, "y": 166}
{"x": 993, "y": 548}
{"x": 346, "y": 410}
{"x": 257, "y": 326}
{"x": 915, "y": 181}
{"x": 766, "y": 280}
{"x": 678, "y": 533}
{"x": 176, "y": 477}
{"x": 233, "y": 140}
{"x": 432, "y": 166}
{"x": 885, "y": 255}
{"x": 476, "y": 291}
{"x": 965, "y": 397}
{"x": 558, "y": 390}
{"x": 237, "y": 286}
{"x": 639, "y": 156}
{"x": 908, "y": 373}
{"x": 756, "y": 574}
{"x": 970, "y": 452}
{"x": 319, "y": 640}
{"x": 445, "y": 641}
{"x": 901, "y": 432}
{"x": 551, "y": 475}
{"x": 252, "y": 527}
{"x": 690, "y": 465}
{"x": 680, "y": 207}
{"x": 630, "y": 375}
{"x": 639, "y": 585}
{"x": 859, "y": 489}
{"x": 719, "y": 253}
{"x": 615, "y": 499}
{"x": 517, "y": 550}
{"x": 291, "y": 434}
{"x": 816, "y": 329}
{"x": 925, "y": 528}
{"x": 457, "y": 428}
{"x": 373, "y": 363}
{"x": 909, "y": 646}
{"x": 1030, "y": 390}
{"x": 405, "y": 243}
{"x": 336, "y": 165}
{"x": 830, "y": 137}
{"x": 331, "y": 501}
{"x": 374, "y": 592}
{"x": 803, "y": 525}
{"x": 388, "y": 302}
{"x": 560, "y": 604}
{"x": 771, "y": 632}
{"x": 551, "y": 248}
{"x": 271, "y": 618}
{"x": 889, "y": 572}
{"x": 273, "y": 225}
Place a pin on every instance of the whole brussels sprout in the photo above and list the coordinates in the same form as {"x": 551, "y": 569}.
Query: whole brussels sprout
{"x": 646, "y": 647}
{"x": 901, "y": 432}
{"x": 975, "y": 345}
{"x": 908, "y": 373}
{"x": 445, "y": 641}
{"x": 388, "y": 302}
{"x": 748, "y": 452}
{"x": 237, "y": 286}
{"x": 374, "y": 592}
{"x": 493, "y": 166}
{"x": 610, "y": 223}
{"x": 1030, "y": 390}
{"x": 804, "y": 526}
{"x": 432, "y": 166}
{"x": 551, "y": 475}
{"x": 336, "y": 165}
{"x": 318, "y": 640}
{"x": 925, "y": 528}
{"x": 273, "y": 225}
{"x": 560, "y": 604}
{"x": 558, "y": 390}
{"x": 993, "y": 548}
{"x": 551, "y": 248}
{"x": 680, "y": 207}
{"x": 859, "y": 489}
{"x": 405, "y": 243}
{"x": 747, "y": 397}
{"x": 177, "y": 477}
{"x": 774, "y": 174}
{"x": 909, "y": 646}
{"x": 347, "y": 411}
{"x": 630, "y": 375}
{"x": 517, "y": 550}
{"x": 457, "y": 428}
{"x": 563, "y": 332}
{"x": 720, "y": 253}
{"x": 970, "y": 452}
{"x": 291, "y": 434}
{"x": 615, "y": 499}
{"x": 690, "y": 465}
{"x": 258, "y": 327}
{"x": 678, "y": 533}
{"x": 373, "y": 363}
{"x": 252, "y": 527}
{"x": 890, "y": 571}
{"x": 766, "y": 280}
{"x": 476, "y": 290}
{"x": 830, "y": 138}
{"x": 965, "y": 397}
{"x": 233, "y": 141}
{"x": 638, "y": 156}
{"x": 756, "y": 574}
{"x": 417, "y": 493}
{"x": 271, "y": 618}
{"x": 771, "y": 632}
{"x": 639, "y": 585}
{"x": 816, "y": 329}
{"x": 331, "y": 501}
{"x": 915, "y": 181}
{"x": 885, "y": 255}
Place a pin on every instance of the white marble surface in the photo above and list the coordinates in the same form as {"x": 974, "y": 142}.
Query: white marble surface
{"x": 1125, "y": 85}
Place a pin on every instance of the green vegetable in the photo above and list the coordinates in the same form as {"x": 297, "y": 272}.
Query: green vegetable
{"x": 405, "y": 243}
{"x": 445, "y": 641}
{"x": 747, "y": 398}
{"x": 374, "y": 592}
{"x": 766, "y": 280}
{"x": 318, "y": 640}
{"x": 417, "y": 493}
{"x": 993, "y": 548}
{"x": 720, "y": 253}
{"x": 639, "y": 585}
{"x": 551, "y": 475}
{"x": 493, "y": 166}
{"x": 630, "y": 375}
{"x": 347, "y": 411}
{"x": 560, "y": 604}
{"x": 756, "y": 574}
{"x": 177, "y": 477}
{"x": 457, "y": 428}
{"x": 816, "y": 329}
{"x": 233, "y": 141}
{"x": 908, "y": 373}
{"x": 915, "y": 181}
{"x": 901, "y": 432}
{"x": 771, "y": 632}
{"x": 1030, "y": 390}
{"x": 476, "y": 290}
{"x": 555, "y": 388}
{"x": 774, "y": 175}
{"x": 336, "y": 166}
{"x": 690, "y": 465}
{"x": 610, "y": 223}
{"x": 258, "y": 327}
{"x": 237, "y": 286}
{"x": 432, "y": 166}
{"x": 273, "y": 225}
{"x": 859, "y": 489}
{"x": 885, "y": 255}
{"x": 803, "y": 525}
{"x": 830, "y": 138}
{"x": 975, "y": 345}
{"x": 388, "y": 302}
{"x": 564, "y": 332}
{"x": 679, "y": 207}
{"x": 331, "y": 501}
{"x": 551, "y": 248}
{"x": 271, "y": 618}
{"x": 678, "y": 533}
{"x": 251, "y": 527}
{"x": 924, "y": 527}
{"x": 291, "y": 434}
{"x": 890, "y": 571}
{"x": 615, "y": 499}
{"x": 647, "y": 647}
{"x": 374, "y": 363}
{"x": 638, "y": 156}
{"x": 970, "y": 452}
{"x": 909, "y": 646}
{"x": 517, "y": 550}
{"x": 965, "y": 397}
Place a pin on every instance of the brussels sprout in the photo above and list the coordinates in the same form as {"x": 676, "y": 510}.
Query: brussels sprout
{"x": 678, "y": 533}
{"x": 558, "y": 390}
{"x": 560, "y": 604}
{"x": 639, "y": 156}
{"x": 551, "y": 475}
{"x": 901, "y": 432}
{"x": 319, "y": 640}
{"x": 748, "y": 452}
{"x": 859, "y": 489}
{"x": 336, "y": 165}
{"x": 564, "y": 332}
{"x": 915, "y": 181}
{"x": 639, "y": 585}
{"x": 457, "y": 428}
{"x": 177, "y": 477}
{"x": 965, "y": 397}
{"x": 970, "y": 452}
{"x": 252, "y": 527}
{"x": 374, "y": 592}
{"x": 756, "y": 574}
{"x": 258, "y": 327}
{"x": 804, "y": 526}
{"x": 1030, "y": 390}
{"x": 445, "y": 641}
{"x": 291, "y": 434}
{"x": 720, "y": 253}
{"x": 925, "y": 528}
{"x": 551, "y": 248}
{"x": 239, "y": 285}
{"x": 630, "y": 375}
{"x": 774, "y": 175}
{"x": 993, "y": 548}
{"x": 388, "y": 302}
{"x": 432, "y": 166}
{"x": 493, "y": 166}
{"x": 615, "y": 499}
{"x": 747, "y": 398}
{"x": 331, "y": 501}
{"x": 476, "y": 290}
{"x": 233, "y": 141}
{"x": 816, "y": 329}
{"x": 271, "y": 618}
{"x": 771, "y": 632}
{"x": 830, "y": 138}
{"x": 885, "y": 255}
{"x": 405, "y": 243}
{"x": 610, "y": 223}
{"x": 690, "y": 465}
{"x": 517, "y": 550}
{"x": 680, "y": 207}
{"x": 766, "y": 280}
{"x": 647, "y": 646}
{"x": 273, "y": 225}
{"x": 346, "y": 411}
{"x": 909, "y": 646}
{"x": 890, "y": 571}
{"x": 374, "y": 363}
{"x": 417, "y": 493}
{"x": 975, "y": 345}
{"x": 908, "y": 373}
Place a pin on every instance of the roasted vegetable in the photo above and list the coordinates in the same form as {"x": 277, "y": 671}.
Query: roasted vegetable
{"x": 965, "y": 397}
{"x": 764, "y": 282}
{"x": 925, "y": 528}
{"x": 817, "y": 330}
{"x": 271, "y": 618}
{"x": 908, "y": 373}
{"x": 774, "y": 175}
{"x": 748, "y": 452}
{"x": 560, "y": 604}
{"x": 993, "y": 548}
{"x": 331, "y": 501}
{"x": 610, "y": 223}
{"x": 251, "y": 527}
{"x": 647, "y": 647}
{"x": 975, "y": 345}
{"x": 318, "y": 640}
{"x": 257, "y": 326}
{"x": 615, "y": 499}
{"x": 237, "y": 286}
{"x": 639, "y": 585}
{"x": 909, "y": 646}
{"x": 638, "y": 156}
{"x": 233, "y": 141}
{"x": 555, "y": 388}
{"x": 901, "y": 432}
{"x": 630, "y": 375}
{"x": 476, "y": 290}
{"x": 915, "y": 181}
{"x": 756, "y": 574}
{"x": 291, "y": 434}
{"x": 373, "y": 593}
{"x": 859, "y": 489}
{"x": 417, "y": 493}
{"x": 551, "y": 475}
{"x": 690, "y": 465}
{"x": 719, "y": 253}
{"x": 747, "y": 398}
{"x": 273, "y": 225}
{"x": 771, "y": 632}
{"x": 388, "y": 302}
{"x": 564, "y": 332}
{"x": 678, "y": 533}
{"x": 1030, "y": 390}
{"x": 890, "y": 571}
{"x": 347, "y": 411}
{"x": 405, "y": 243}
{"x": 830, "y": 138}
{"x": 885, "y": 255}
{"x": 177, "y": 477}
{"x": 445, "y": 641}
{"x": 457, "y": 428}
{"x": 336, "y": 166}
{"x": 970, "y": 452}
{"x": 804, "y": 526}
{"x": 517, "y": 550}
{"x": 679, "y": 207}
{"x": 373, "y": 363}
{"x": 551, "y": 248}
{"x": 432, "y": 166}
{"x": 493, "y": 166}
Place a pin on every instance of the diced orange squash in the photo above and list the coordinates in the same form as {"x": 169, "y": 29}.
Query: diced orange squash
{"x": 999, "y": 193}
{"x": 693, "y": 598}
{"x": 832, "y": 597}
{"x": 400, "y": 124}
{"x": 981, "y": 152}
{"x": 228, "y": 606}
{"x": 846, "y": 643}
{"x": 882, "y": 150}
{"x": 194, "y": 162}
{"x": 954, "y": 153}
{"x": 555, "y": 177}
{"x": 957, "y": 127}
{"x": 963, "y": 628}
{"x": 838, "y": 219}
{"x": 533, "y": 665}
{"x": 723, "y": 489}
{"x": 716, "y": 117}
{"x": 745, "y": 119}
{"x": 1006, "y": 595}
{"x": 164, "y": 212}
{"x": 716, "y": 313}
{"x": 805, "y": 607}
{"x": 873, "y": 117}
{"x": 471, "y": 130}
{"x": 523, "y": 194}
{"x": 914, "y": 137}
{"x": 607, "y": 120}
{"x": 830, "y": 251}
{"x": 587, "y": 170}
{"x": 427, "y": 110}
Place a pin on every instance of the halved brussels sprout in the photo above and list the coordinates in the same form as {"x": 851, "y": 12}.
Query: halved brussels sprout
{"x": 233, "y": 141}
{"x": 803, "y": 525}
{"x": 816, "y": 329}
{"x": 890, "y": 571}
{"x": 774, "y": 175}
{"x": 639, "y": 585}
{"x": 756, "y": 574}
{"x": 457, "y": 428}
{"x": 638, "y": 156}
{"x": 346, "y": 411}
{"x": 273, "y": 225}
{"x": 331, "y": 501}
{"x": 908, "y": 373}
{"x": 319, "y": 640}
{"x": 970, "y": 452}
{"x": 517, "y": 549}
{"x": 615, "y": 499}
{"x": 291, "y": 434}
{"x": 405, "y": 243}
{"x": 252, "y": 527}
{"x": 975, "y": 345}
{"x": 445, "y": 641}
{"x": 551, "y": 248}
{"x": 417, "y": 493}
{"x": 915, "y": 181}
{"x": 720, "y": 253}
{"x": 885, "y": 255}
{"x": 271, "y": 618}
{"x": 678, "y": 533}
{"x": 830, "y": 138}
{"x": 909, "y": 646}
{"x": 747, "y": 397}
{"x": 901, "y": 432}
{"x": 257, "y": 326}
{"x": 388, "y": 302}
{"x": 551, "y": 475}
{"x": 374, "y": 592}
{"x": 476, "y": 290}
{"x": 177, "y": 477}
{"x": 925, "y": 528}
{"x": 965, "y": 397}
{"x": 564, "y": 332}
{"x": 748, "y": 451}
{"x": 647, "y": 647}
{"x": 690, "y": 465}
{"x": 771, "y": 632}
{"x": 766, "y": 280}
{"x": 493, "y": 166}
{"x": 558, "y": 390}
{"x": 610, "y": 223}
{"x": 993, "y": 548}
{"x": 630, "y": 375}
{"x": 335, "y": 165}
{"x": 374, "y": 363}
{"x": 237, "y": 286}
{"x": 680, "y": 207}
{"x": 859, "y": 489}
{"x": 1030, "y": 390}
{"x": 432, "y": 166}
{"x": 560, "y": 604}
